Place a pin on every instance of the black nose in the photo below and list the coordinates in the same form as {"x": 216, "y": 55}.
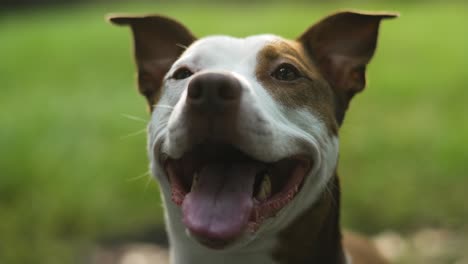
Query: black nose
{"x": 214, "y": 91}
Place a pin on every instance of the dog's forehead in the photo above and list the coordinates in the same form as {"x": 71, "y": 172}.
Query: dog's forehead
{"x": 215, "y": 50}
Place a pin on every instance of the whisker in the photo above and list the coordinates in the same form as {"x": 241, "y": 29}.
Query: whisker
{"x": 182, "y": 46}
{"x": 135, "y": 118}
{"x": 163, "y": 106}
{"x": 134, "y": 134}
{"x": 148, "y": 181}
{"x": 329, "y": 190}
{"x": 139, "y": 176}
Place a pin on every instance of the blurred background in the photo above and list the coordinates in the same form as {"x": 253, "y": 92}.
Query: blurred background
{"x": 74, "y": 186}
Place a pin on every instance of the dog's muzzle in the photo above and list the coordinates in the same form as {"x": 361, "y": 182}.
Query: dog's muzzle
{"x": 224, "y": 191}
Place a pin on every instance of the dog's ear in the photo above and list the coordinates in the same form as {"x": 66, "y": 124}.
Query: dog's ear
{"x": 341, "y": 45}
{"x": 158, "y": 42}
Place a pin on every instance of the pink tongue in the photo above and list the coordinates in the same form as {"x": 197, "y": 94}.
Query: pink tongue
{"x": 219, "y": 207}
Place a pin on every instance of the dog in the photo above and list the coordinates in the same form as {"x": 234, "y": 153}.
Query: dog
{"x": 243, "y": 137}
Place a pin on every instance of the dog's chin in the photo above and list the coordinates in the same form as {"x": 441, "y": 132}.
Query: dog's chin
{"x": 225, "y": 195}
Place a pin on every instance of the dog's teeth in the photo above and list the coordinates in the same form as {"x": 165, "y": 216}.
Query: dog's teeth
{"x": 264, "y": 191}
{"x": 195, "y": 181}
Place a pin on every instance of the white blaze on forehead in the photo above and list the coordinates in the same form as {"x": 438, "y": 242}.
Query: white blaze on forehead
{"x": 225, "y": 53}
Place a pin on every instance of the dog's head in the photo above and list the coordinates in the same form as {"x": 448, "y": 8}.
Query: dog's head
{"x": 243, "y": 134}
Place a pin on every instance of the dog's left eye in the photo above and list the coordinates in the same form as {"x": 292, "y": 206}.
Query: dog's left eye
{"x": 286, "y": 72}
{"x": 182, "y": 73}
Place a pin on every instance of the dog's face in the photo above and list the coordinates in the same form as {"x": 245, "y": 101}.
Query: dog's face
{"x": 243, "y": 135}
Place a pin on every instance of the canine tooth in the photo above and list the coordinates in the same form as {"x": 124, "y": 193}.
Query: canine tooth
{"x": 195, "y": 181}
{"x": 265, "y": 189}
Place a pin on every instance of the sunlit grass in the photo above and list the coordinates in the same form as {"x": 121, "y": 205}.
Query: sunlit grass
{"x": 70, "y": 171}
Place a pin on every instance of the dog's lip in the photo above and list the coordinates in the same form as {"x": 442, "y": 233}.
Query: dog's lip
{"x": 295, "y": 167}
{"x": 304, "y": 159}
{"x": 292, "y": 186}
{"x": 165, "y": 159}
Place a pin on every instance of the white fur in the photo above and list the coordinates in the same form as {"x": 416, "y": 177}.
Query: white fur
{"x": 271, "y": 140}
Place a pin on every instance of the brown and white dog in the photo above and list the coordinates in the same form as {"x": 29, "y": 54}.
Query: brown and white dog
{"x": 243, "y": 137}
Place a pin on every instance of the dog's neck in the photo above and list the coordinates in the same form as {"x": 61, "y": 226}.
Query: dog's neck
{"x": 314, "y": 237}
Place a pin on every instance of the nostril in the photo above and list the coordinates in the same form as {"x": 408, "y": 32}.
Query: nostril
{"x": 195, "y": 92}
{"x": 229, "y": 92}
{"x": 213, "y": 90}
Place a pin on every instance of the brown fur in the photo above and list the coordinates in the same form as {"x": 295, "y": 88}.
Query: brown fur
{"x": 310, "y": 92}
{"x": 158, "y": 43}
{"x": 315, "y": 236}
{"x": 341, "y": 45}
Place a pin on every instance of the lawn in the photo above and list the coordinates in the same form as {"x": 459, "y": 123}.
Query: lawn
{"x": 73, "y": 166}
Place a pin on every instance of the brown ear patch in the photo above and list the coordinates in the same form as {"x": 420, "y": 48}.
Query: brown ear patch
{"x": 310, "y": 92}
{"x": 341, "y": 45}
{"x": 158, "y": 43}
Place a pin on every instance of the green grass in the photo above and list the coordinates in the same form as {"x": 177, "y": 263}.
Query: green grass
{"x": 69, "y": 174}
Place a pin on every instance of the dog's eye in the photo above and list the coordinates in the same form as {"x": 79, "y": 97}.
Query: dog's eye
{"x": 182, "y": 73}
{"x": 286, "y": 72}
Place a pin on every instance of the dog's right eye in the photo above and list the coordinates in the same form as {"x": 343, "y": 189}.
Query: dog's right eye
{"x": 182, "y": 73}
{"x": 286, "y": 72}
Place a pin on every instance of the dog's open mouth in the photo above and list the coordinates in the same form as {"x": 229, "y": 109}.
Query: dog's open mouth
{"x": 224, "y": 192}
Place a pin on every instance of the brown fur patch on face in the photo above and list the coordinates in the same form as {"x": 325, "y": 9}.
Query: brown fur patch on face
{"x": 310, "y": 91}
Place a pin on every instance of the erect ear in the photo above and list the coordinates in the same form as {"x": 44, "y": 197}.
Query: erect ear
{"x": 341, "y": 45}
{"x": 158, "y": 42}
